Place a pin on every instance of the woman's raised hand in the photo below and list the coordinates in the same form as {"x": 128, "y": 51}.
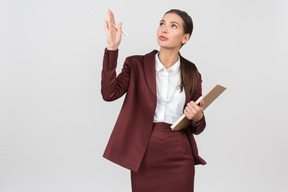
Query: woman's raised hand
{"x": 113, "y": 35}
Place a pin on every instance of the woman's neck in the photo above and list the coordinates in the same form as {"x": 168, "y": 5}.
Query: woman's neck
{"x": 168, "y": 57}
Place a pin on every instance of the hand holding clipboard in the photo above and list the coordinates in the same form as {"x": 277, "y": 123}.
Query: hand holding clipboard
{"x": 183, "y": 122}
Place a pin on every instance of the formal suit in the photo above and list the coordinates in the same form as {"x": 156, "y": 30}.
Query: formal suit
{"x": 130, "y": 136}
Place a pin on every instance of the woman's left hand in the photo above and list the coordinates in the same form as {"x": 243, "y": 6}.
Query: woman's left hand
{"x": 193, "y": 111}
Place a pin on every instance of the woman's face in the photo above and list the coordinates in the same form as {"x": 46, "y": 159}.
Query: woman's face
{"x": 170, "y": 33}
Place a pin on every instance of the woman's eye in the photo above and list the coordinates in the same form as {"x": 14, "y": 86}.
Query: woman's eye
{"x": 174, "y": 26}
{"x": 161, "y": 24}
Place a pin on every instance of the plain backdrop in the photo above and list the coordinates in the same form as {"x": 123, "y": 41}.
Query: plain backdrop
{"x": 54, "y": 125}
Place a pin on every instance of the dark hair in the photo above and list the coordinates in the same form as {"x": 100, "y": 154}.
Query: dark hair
{"x": 188, "y": 70}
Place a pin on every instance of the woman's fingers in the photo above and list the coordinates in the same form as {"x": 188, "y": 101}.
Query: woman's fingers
{"x": 187, "y": 114}
{"x": 193, "y": 111}
{"x": 201, "y": 103}
{"x": 111, "y": 17}
{"x": 106, "y": 25}
{"x": 114, "y": 33}
{"x": 119, "y": 29}
{"x": 192, "y": 106}
{"x": 110, "y": 21}
{"x": 190, "y": 112}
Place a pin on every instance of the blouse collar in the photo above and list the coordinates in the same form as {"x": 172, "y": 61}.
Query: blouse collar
{"x": 160, "y": 66}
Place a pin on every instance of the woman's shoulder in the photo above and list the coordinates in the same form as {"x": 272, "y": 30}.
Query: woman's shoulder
{"x": 135, "y": 58}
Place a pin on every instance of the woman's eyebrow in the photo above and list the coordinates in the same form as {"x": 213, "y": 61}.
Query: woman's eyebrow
{"x": 172, "y": 22}
{"x": 175, "y": 22}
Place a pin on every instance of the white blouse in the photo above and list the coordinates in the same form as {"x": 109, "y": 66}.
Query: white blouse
{"x": 170, "y": 102}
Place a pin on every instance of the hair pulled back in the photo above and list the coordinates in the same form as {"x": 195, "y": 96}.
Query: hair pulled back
{"x": 188, "y": 69}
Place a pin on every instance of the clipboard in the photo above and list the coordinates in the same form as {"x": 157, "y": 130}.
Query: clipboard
{"x": 183, "y": 122}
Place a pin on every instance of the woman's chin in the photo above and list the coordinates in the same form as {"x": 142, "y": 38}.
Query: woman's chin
{"x": 168, "y": 47}
{"x": 164, "y": 45}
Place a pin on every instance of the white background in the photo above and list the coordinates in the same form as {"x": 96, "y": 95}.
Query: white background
{"x": 54, "y": 125}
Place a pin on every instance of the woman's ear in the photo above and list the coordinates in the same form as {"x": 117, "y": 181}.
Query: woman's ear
{"x": 186, "y": 37}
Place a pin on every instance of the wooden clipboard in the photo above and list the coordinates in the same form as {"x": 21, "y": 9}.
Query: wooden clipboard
{"x": 183, "y": 122}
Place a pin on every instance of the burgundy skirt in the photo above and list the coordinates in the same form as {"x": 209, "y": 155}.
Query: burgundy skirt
{"x": 168, "y": 164}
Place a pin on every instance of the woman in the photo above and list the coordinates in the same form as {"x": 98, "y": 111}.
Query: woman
{"x": 159, "y": 87}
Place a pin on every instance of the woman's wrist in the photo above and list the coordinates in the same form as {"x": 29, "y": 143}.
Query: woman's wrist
{"x": 198, "y": 119}
{"x": 112, "y": 48}
{"x": 196, "y": 123}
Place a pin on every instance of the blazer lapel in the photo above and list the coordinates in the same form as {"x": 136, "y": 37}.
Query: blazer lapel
{"x": 150, "y": 71}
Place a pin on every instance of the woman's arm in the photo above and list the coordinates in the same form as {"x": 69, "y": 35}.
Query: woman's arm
{"x": 194, "y": 112}
{"x": 113, "y": 87}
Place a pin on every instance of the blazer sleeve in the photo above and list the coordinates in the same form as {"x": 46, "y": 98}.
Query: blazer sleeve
{"x": 113, "y": 87}
{"x": 200, "y": 126}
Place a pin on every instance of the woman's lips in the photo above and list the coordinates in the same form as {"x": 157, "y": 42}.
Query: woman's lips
{"x": 162, "y": 38}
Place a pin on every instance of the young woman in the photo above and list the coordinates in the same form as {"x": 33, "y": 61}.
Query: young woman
{"x": 160, "y": 87}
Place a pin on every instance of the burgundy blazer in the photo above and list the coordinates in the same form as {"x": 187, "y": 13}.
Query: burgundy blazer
{"x": 130, "y": 136}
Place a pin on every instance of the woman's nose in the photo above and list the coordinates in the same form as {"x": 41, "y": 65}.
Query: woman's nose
{"x": 164, "y": 29}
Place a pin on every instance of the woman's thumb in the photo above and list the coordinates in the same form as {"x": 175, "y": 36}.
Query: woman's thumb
{"x": 201, "y": 104}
